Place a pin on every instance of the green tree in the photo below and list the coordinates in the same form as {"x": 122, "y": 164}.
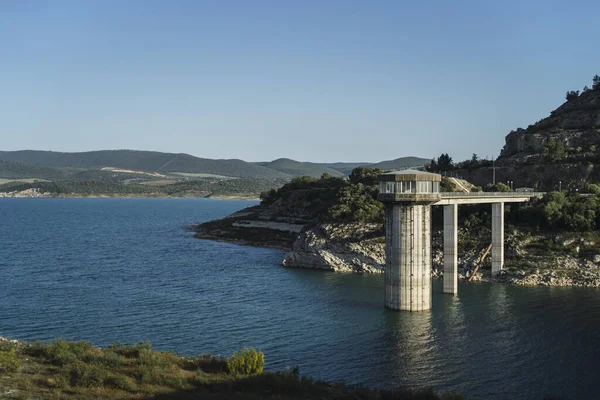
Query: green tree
{"x": 356, "y": 203}
{"x": 366, "y": 176}
{"x": 432, "y": 166}
{"x": 572, "y": 95}
{"x": 445, "y": 163}
{"x": 555, "y": 150}
{"x": 596, "y": 82}
{"x": 498, "y": 187}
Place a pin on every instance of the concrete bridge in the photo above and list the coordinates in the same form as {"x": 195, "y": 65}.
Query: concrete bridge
{"x": 408, "y": 196}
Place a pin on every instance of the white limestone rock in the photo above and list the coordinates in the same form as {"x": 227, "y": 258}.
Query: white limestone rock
{"x": 340, "y": 248}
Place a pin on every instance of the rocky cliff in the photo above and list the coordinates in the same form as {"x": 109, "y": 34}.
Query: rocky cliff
{"x": 360, "y": 248}
{"x": 341, "y": 248}
{"x": 563, "y": 147}
{"x": 576, "y": 123}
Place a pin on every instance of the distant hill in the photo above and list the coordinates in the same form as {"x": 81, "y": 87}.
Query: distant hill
{"x": 345, "y": 167}
{"x": 297, "y": 168}
{"x": 148, "y": 161}
{"x": 401, "y": 163}
{"x": 19, "y": 170}
{"x": 293, "y": 167}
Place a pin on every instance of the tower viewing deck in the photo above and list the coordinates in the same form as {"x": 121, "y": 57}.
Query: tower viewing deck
{"x": 408, "y": 196}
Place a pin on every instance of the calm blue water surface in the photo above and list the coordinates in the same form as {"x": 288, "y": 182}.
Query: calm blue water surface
{"x": 104, "y": 270}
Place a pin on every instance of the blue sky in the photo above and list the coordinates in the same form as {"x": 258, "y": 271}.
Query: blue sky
{"x": 309, "y": 80}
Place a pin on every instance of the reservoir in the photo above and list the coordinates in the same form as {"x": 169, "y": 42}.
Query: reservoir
{"x": 106, "y": 270}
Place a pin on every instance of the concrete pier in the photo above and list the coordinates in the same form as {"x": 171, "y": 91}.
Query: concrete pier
{"x": 408, "y": 197}
{"x": 451, "y": 249}
{"x": 408, "y": 257}
{"x": 497, "y": 237}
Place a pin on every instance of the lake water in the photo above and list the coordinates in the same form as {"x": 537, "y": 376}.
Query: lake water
{"x": 103, "y": 270}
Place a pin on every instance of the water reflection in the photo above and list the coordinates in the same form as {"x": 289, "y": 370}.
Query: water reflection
{"x": 408, "y": 338}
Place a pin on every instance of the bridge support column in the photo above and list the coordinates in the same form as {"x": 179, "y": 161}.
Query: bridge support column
{"x": 408, "y": 257}
{"x": 497, "y": 238}
{"x": 450, "y": 249}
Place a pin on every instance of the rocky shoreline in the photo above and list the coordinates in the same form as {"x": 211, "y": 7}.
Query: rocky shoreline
{"x": 360, "y": 248}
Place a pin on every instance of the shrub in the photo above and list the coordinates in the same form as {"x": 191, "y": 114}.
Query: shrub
{"x": 498, "y": 187}
{"x": 60, "y": 352}
{"x": 112, "y": 359}
{"x": 356, "y": 203}
{"x": 246, "y": 362}
{"x": 446, "y": 185}
{"x": 210, "y": 364}
{"x": 155, "y": 367}
{"x": 592, "y": 188}
{"x": 118, "y": 381}
{"x": 572, "y": 95}
{"x": 86, "y": 375}
{"x": 130, "y": 351}
{"x": 9, "y": 361}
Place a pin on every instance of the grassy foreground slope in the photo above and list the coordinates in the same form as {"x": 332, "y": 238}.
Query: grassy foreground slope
{"x": 77, "y": 370}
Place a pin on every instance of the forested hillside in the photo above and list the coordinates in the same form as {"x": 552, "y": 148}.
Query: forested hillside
{"x": 296, "y": 168}
{"x": 148, "y": 161}
{"x": 18, "y": 170}
{"x": 198, "y": 188}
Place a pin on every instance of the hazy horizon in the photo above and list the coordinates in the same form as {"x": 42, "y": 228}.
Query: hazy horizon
{"x": 253, "y": 161}
{"x": 318, "y": 82}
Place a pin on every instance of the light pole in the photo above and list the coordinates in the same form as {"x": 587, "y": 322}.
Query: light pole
{"x": 493, "y": 171}
{"x": 560, "y": 186}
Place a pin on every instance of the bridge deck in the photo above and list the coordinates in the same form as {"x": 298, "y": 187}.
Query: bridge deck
{"x": 486, "y": 197}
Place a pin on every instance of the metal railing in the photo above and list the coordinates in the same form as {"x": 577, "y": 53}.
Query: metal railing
{"x": 492, "y": 194}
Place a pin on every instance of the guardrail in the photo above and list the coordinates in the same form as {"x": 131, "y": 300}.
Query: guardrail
{"x": 492, "y": 194}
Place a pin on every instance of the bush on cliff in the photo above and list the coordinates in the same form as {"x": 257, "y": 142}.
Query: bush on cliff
{"x": 9, "y": 361}
{"x": 332, "y": 199}
{"x": 356, "y": 203}
{"x": 571, "y": 211}
{"x": 572, "y": 95}
{"x": 246, "y": 362}
{"x": 498, "y": 187}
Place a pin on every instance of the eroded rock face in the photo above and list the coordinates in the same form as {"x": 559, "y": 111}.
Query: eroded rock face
{"x": 575, "y": 124}
{"x": 341, "y": 248}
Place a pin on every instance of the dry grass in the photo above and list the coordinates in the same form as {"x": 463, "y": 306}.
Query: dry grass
{"x": 77, "y": 370}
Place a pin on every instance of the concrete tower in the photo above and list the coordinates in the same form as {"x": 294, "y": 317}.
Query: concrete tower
{"x": 408, "y": 196}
